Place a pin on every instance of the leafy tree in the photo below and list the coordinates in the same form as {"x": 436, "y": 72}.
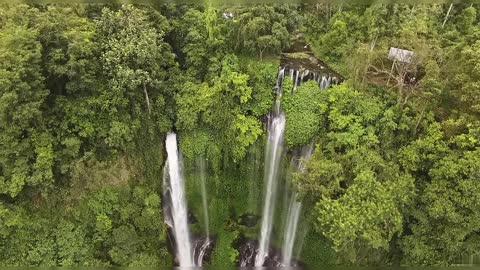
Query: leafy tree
{"x": 72, "y": 245}
{"x": 26, "y": 153}
{"x": 262, "y": 78}
{"x": 122, "y": 223}
{"x": 444, "y": 222}
{"x": 35, "y": 240}
{"x": 203, "y": 43}
{"x": 219, "y": 107}
{"x": 73, "y": 75}
{"x": 138, "y": 63}
{"x": 265, "y": 28}
{"x": 358, "y": 190}
{"x": 87, "y": 93}
{"x": 465, "y": 84}
{"x": 303, "y": 113}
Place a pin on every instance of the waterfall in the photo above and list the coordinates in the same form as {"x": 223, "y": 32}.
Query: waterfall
{"x": 299, "y": 76}
{"x": 179, "y": 208}
{"x": 201, "y": 167}
{"x": 295, "y": 84}
{"x": 294, "y": 212}
{"x": 273, "y": 154}
{"x": 291, "y": 230}
{"x": 202, "y": 246}
{"x": 201, "y": 254}
{"x": 281, "y": 74}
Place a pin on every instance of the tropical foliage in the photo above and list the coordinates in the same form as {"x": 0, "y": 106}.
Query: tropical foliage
{"x": 89, "y": 92}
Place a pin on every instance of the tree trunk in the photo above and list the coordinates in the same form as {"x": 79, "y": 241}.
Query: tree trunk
{"x": 419, "y": 120}
{"x": 238, "y": 40}
{"x": 446, "y": 16}
{"x": 391, "y": 71}
{"x": 374, "y": 42}
{"x": 147, "y": 98}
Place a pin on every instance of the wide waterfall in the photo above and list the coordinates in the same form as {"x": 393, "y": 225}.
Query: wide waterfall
{"x": 294, "y": 210}
{"x": 178, "y": 207}
{"x": 273, "y": 153}
{"x": 300, "y": 76}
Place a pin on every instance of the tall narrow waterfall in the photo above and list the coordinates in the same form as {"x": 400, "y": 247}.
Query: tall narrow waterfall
{"x": 178, "y": 208}
{"x": 291, "y": 230}
{"x": 202, "y": 167}
{"x": 294, "y": 213}
{"x": 273, "y": 154}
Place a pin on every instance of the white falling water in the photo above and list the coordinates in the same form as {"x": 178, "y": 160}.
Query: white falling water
{"x": 300, "y": 76}
{"x": 281, "y": 74}
{"x": 201, "y": 166}
{"x": 291, "y": 230}
{"x": 179, "y": 208}
{"x": 199, "y": 252}
{"x": 273, "y": 154}
{"x": 295, "y": 84}
{"x": 293, "y": 215}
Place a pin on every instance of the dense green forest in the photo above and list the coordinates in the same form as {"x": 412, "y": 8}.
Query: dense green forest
{"x": 89, "y": 92}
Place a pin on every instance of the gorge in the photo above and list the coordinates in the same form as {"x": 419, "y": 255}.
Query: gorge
{"x": 252, "y": 253}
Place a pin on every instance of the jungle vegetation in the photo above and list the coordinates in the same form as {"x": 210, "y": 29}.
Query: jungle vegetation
{"x": 89, "y": 92}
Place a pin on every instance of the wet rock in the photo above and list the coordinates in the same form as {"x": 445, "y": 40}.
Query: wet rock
{"x": 202, "y": 249}
{"x": 248, "y": 220}
{"x": 191, "y": 218}
{"x": 300, "y": 58}
{"x": 248, "y": 249}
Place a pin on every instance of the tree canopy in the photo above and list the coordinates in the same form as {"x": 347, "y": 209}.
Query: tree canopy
{"x": 89, "y": 92}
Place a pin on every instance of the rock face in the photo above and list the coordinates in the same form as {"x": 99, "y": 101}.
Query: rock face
{"x": 300, "y": 57}
{"x": 248, "y": 249}
{"x": 202, "y": 249}
{"x": 248, "y": 220}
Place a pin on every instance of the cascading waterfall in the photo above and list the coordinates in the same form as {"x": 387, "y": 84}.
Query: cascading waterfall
{"x": 178, "y": 208}
{"x": 274, "y": 149}
{"x": 202, "y": 246}
{"x": 294, "y": 211}
{"x": 296, "y": 83}
{"x": 202, "y": 167}
{"x": 301, "y": 240}
{"x": 290, "y": 232}
{"x": 300, "y": 76}
{"x": 273, "y": 154}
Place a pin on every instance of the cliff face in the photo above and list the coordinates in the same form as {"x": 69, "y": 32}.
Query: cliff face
{"x": 301, "y": 58}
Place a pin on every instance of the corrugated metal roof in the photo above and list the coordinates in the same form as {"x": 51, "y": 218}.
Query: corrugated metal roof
{"x": 400, "y": 55}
